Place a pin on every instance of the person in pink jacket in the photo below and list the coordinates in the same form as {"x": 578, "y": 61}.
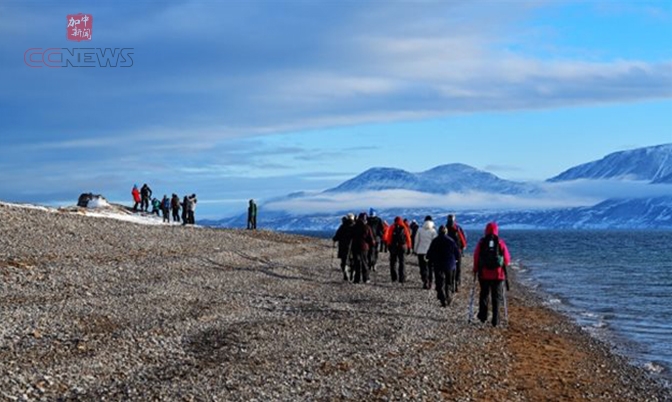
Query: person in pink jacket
{"x": 490, "y": 260}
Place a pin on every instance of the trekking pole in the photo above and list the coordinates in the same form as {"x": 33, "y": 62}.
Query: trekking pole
{"x": 506, "y": 308}
{"x": 471, "y": 302}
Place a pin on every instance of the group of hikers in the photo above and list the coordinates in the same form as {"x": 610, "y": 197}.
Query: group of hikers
{"x": 439, "y": 255}
{"x": 168, "y": 206}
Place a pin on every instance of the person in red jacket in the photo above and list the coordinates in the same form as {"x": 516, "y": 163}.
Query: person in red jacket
{"x": 136, "y": 197}
{"x": 490, "y": 260}
{"x": 398, "y": 240}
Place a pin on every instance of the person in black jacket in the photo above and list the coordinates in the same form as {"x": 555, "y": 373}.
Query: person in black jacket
{"x": 185, "y": 210}
{"x": 145, "y": 195}
{"x": 376, "y": 225}
{"x": 362, "y": 241}
{"x": 175, "y": 207}
{"x": 344, "y": 238}
{"x": 443, "y": 253}
{"x": 456, "y": 233}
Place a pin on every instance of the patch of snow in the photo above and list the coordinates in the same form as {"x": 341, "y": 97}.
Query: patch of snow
{"x": 97, "y": 202}
{"x": 27, "y": 206}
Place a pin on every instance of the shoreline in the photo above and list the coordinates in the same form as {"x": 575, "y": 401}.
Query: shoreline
{"x": 96, "y": 308}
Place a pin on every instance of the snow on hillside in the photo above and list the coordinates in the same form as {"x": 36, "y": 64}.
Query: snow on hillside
{"x": 649, "y": 163}
{"x": 100, "y": 210}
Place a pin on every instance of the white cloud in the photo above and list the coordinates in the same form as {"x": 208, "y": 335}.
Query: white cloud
{"x": 554, "y": 195}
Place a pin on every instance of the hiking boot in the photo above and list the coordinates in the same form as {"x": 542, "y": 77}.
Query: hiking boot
{"x": 443, "y": 303}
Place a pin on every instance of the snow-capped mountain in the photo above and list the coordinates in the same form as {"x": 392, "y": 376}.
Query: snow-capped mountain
{"x": 454, "y": 177}
{"x": 648, "y": 164}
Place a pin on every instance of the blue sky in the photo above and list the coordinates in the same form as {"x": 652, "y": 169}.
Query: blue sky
{"x": 235, "y": 100}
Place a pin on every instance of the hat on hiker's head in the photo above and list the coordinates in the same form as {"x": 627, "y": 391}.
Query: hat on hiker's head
{"x": 451, "y": 220}
{"x": 351, "y": 216}
{"x": 428, "y": 218}
{"x": 443, "y": 230}
{"x": 372, "y": 212}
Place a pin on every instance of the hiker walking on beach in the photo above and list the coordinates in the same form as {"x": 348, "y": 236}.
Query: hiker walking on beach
{"x": 443, "y": 253}
{"x": 491, "y": 258}
{"x": 344, "y": 238}
{"x": 175, "y": 207}
{"x": 362, "y": 241}
{"x": 398, "y": 239}
{"x": 423, "y": 240}
{"x": 146, "y": 195}
{"x": 457, "y": 234}
{"x": 376, "y": 225}
{"x": 414, "y": 227}
{"x": 136, "y": 197}
{"x": 165, "y": 208}
{"x": 252, "y": 215}
{"x": 383, "y": 245}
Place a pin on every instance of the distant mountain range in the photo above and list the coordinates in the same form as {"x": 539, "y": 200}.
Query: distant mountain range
{"x": 454, "y": 177}
{"x": 650, "y": 164}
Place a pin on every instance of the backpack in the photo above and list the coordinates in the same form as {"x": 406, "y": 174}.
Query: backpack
{"x": 399, "y": 236}
{"x": 166, "y": 203}
{"x": 457, "y": 235}
{"x": 490, "y": 254}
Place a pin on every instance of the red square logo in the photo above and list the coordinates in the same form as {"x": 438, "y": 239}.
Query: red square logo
{"x": 80, "y": 27}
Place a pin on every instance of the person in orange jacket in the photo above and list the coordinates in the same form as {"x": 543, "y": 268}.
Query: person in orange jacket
{"x": 136, "y": 197}
{"x": 398, "y": 240}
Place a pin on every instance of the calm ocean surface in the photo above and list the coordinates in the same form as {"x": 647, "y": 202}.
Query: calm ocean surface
{"x": 616, "y": 284}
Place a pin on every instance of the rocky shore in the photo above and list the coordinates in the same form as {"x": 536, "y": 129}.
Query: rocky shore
{"x": 99, "y": 309}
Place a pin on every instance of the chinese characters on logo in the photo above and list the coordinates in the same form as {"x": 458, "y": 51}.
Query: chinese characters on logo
{"x": 79, "y": 27}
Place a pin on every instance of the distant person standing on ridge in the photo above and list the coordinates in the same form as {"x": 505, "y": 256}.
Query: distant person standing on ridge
{"x": 344, "y": 238}
{"x": 156, "y": 206}
{"x": 185, "y": 210}
{"x": 362, "y": 241}
{"x": 398, "y": 239}
{"x": 252, "y": 215}
{"x": 165, "y": 208}
{"x": 136, "y": 197}
{"x": 443, "y": 254}
{"x": 191, "y": 208}
{"x": 376, "y": 225}
{"x": 491, "y": 258}
{"x": 423, "y": 239}
{"x": 456, "y": 233}
{"x": 175, "y": 207}
{"x": 146, "y": 195}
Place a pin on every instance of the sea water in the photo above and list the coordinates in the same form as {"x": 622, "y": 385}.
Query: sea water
{"x": 617, "y": 285}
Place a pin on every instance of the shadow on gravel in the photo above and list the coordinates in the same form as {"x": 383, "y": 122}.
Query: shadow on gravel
{"x": 265, "y": 271}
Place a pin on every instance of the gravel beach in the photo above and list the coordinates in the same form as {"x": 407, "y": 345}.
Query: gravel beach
{"x": 100, "y": 309}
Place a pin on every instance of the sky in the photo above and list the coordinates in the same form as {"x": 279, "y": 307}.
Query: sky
{"x": 234, "y": 100}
